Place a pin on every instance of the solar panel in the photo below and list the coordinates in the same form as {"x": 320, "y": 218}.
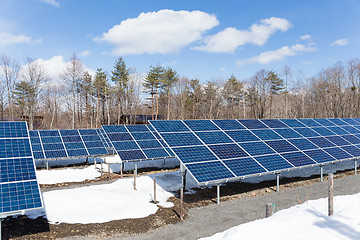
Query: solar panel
{"x": 138, "y": 142}
{"x": 19, "y": 189}
{"x": 246, "y": 147}
{"x": 66, "y": 143}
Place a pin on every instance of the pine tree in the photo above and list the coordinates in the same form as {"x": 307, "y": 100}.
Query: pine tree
{"x": 99, "y": 85}
{"x": 169, "y": 79}
{"x": 152, "y": 83}
{"x": 277, "y": 85}
{"x": 120, "y": 76}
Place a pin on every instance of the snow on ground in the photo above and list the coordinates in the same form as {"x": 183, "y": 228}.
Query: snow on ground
{"x": 107, "y": 202}
{"x": 305, "y": 221}
{"x": 66, "y": 175}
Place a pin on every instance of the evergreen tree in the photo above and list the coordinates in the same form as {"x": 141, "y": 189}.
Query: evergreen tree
{"x": 233, "y": 93}
{"x": 120, "y": 76}
{"x": 86, "y": 88}
{"x": 169, "y": 79}
{"x": 99, "y": 85}
{"x": 277, "y": 85}
{"x": 152, "y": 83}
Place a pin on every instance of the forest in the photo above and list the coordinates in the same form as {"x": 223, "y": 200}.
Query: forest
{"x": 86, "y": 101}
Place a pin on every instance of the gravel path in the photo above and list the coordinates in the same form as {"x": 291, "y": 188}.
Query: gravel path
{"x": 206, "y": 221}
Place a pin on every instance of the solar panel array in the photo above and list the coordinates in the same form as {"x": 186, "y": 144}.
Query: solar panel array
{"x": 19, "y": 190}
{"x": 216, "y": 150}
{"x": 136, "y": 142}
{"x": 66, "y": 143}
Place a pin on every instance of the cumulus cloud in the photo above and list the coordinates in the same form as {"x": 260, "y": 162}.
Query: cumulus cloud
{"x": 305, "y": 37}
{"x": 51, "y": 2}
{"x": 278, "y": 55}
{"x": 230, "y": 39}
{"x": 340, "y": 42}
{"x": 84, "y": 53}
{"x": 165, "y": 31}
{"x": 54, "y": 66}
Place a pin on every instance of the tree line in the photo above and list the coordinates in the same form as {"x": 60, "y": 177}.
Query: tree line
{"x": 83, "y": 100}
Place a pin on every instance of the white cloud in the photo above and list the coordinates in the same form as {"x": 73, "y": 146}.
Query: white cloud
{"x": 277, "y": 55}
{"x": 165, "y": 31}
{"x": 230, "y": 39}
{"x": 340, "y": 42}
{"x": 10, "y": 39}
{"x": 305, "y": 37}
{"x": 51, "y": 2}
{"x": 84, "y": 53}
{"x": 54, "y": 66}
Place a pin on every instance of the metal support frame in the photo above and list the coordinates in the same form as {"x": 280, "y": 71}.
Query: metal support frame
{"x": 1, "y": 219}
{"x": 47, "y": 165}
{"x": 135, "y": 174}
{"x": 355, "y": 166}
{"x": 95, "y": 162}
{"x": 277, "y": 181}
{"x": 321, "y": 172}
{"x": 218, "y": 194}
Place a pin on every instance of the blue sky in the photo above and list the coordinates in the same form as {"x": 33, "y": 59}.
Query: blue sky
{"x": 209, "y": 40}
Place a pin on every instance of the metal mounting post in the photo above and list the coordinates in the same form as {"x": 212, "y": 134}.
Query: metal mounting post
{"x": 135, "y": 173}
{"x": 355, "y": 163}
{"x": 277, "y": 181}
{"x": 218, "y": 194}
{"x": 47, "y": 165}
{"x": 1, "y": 219}
{"x": 321, "y": 172}
{"x": 95, "y": 162}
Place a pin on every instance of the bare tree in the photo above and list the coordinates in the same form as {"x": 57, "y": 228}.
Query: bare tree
{"x": 10, "y": 70}
{"x": 72, "y": 75}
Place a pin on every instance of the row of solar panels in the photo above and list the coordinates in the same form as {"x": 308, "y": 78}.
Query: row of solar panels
{"x": 19, "y": 189}
{"x": 131, "y": 142}
{"x": 68, "y": 143}
{"x": 218, "y": 150}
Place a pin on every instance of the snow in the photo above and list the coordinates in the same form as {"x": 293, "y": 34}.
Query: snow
{"x": 66, "y": 175}
{"x": 110, "y": 201}
{"x": 305, "y": 221}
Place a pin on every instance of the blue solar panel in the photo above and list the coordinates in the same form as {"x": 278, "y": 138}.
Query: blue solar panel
{"x": 228, "y": 124}
{"x": 338, "y": 121}
{"x": 252, "y": 123}
{"x": 309, "y": 122}
{"x": 274, "y": 123}
{"x": 19, "y": 190}
{"x": 353, "y": 150}
{"x": 136, "y": 143}
{"x": 181, "y": 139}
{"x": 201, "y": 125}
{"x": 292, "y": 123}
{"x": 194, "y": 154}
{"x": 298, "y": 159}
{"x": 266, "y": 134}
{"x": 170, "y": 126}
{"x": 209, "y": 171}
{"x": 244, "y": 166}
{"x": 94, "y": 144}
{"x": 77, "y": 152}
{"x": 49, "y": 133}
{"x": 319, "y": 155}
{"x": 97, "y": 151}
{"x": 321, "y": 142}
{"x": 226, "y": 151}
{"x": 281, "y": 146}
{"x": 338, "y": 130}
{"x": 306, "y": 132}
{"x": 287, "y": 133}
{"x": 337, "y": 153}
{"x": 351, "y": 129}
{"x": 131, "y": 155}
{"x": 302, "y": 144}
{"x": 351, "y": 138}
{"x": 338, "y": 141}
{"x": 256, "y": 148}
{"x": 213, "y": 137}
{"x": 242, "y": 136}
{"x": 324, "y": 122}
{"x": 323, "y": 131}
{"x": 273, "y": 162}
{"x": 350, "y": 121}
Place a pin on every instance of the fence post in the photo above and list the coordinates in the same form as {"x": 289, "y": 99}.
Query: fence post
{"x": 270, "y": 209}
{"x": 155, "y": 190}
{"x": 331, "y": 194}
{"x": 181, "y": 203}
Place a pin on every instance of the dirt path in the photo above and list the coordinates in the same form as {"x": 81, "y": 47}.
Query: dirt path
{"x": 208, "y": 220}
